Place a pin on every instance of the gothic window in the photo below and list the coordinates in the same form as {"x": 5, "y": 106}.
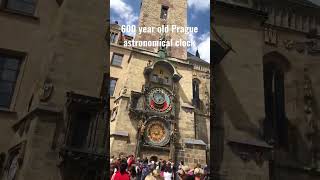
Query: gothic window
{"x": 195, "y": 91}
{"x": 275, "y": 125}
{"x": 290, "y": 20}
{"x": 117, "y": 59}
{"x": 9, "y": 70}
{"x": 22, "y": 6}
{"x": 164, "y": 12}
{"x": 112, "y": 86}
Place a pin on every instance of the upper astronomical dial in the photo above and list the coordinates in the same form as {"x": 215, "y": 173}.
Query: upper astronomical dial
{"x": 159, "y": 97}
{"x": 159, "y": 100}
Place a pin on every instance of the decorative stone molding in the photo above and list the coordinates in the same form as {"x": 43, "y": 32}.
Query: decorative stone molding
{"x": 271, "y": 36}
{"x": 312, "y": 47}
{"x": 251, "y": 150}
{"x": 313, "y": 133}
{"x": 187, "y": 107}
{"x": 16, "y": 154}
{"x": 123, "y": 91}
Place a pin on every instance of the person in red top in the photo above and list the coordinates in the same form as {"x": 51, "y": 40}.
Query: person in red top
{"x": 130, "y": 161}
{"x": 122, "y": 174}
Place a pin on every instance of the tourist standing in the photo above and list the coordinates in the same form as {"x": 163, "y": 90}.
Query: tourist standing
{"x": 133, "y": 173}
{"x": 168, "y": 172}
{"x": 122, "y": 174}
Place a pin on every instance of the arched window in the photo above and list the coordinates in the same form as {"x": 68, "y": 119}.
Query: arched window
{"x": 196, "y": 92}
{"x": 276, "y": 122}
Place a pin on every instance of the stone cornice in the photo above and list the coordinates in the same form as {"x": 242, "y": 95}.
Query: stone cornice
{"x": 242, "y": 10}
{"x": 38, "y": 110}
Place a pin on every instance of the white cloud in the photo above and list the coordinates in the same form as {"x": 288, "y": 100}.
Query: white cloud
{"x": 199, "y": 5}
{"x": 125, "y": 13}
{"x": 200, "y": 43}
{"x": 204, "y": 49}
{"x": 192, "y": 39}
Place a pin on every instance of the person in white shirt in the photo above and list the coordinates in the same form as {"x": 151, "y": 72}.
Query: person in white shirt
{"x": 168, "y": 172}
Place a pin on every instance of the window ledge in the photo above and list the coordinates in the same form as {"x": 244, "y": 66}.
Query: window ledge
{"x": 116, "y": 66}
{"x": 18, "y": 13}
{"x": 6, "y": 110}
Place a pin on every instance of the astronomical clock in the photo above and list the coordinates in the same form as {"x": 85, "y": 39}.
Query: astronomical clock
{"x": 159, "y": 104}
{"x": 155, "y": 106}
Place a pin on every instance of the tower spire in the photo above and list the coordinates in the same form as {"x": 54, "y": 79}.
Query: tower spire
{"x": 198, "y": 54}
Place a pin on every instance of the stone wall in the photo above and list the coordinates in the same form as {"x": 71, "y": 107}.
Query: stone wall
{"x": 192, "y": 155}
{"x": 240, "y": 85}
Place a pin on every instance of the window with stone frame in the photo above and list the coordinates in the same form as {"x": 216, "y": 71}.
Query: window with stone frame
{"x": 164, "y": 12}
{"x": 196, "y": 93}
{"x": 9, "y": 71}
{"x": 26, "y": 7}
{"x": 112, "y": 86}
{"x": 116, "y": 59}
{"x": 276, "y": 123}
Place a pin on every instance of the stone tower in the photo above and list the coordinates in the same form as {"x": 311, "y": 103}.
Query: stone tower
{"x": 164, "y": 12}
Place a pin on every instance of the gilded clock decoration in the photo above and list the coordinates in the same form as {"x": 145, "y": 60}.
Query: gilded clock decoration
{"x": 157, "y": 133}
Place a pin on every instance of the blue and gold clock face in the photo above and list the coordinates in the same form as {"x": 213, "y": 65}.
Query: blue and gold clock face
{"x": 159, "y": 100}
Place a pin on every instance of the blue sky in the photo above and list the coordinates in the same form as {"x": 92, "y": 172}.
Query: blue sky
{"x": 127, "y": 12}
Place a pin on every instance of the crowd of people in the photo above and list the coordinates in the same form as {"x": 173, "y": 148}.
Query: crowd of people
{"x": 131, "y": 168}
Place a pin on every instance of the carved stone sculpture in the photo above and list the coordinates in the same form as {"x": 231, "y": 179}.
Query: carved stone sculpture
{"x": 46, "y": 90}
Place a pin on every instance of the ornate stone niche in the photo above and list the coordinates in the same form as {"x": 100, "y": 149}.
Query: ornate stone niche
{"x": 312, "y": 132}
{"x": 46, "y": 90}
{"x": 160, "y": 77}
